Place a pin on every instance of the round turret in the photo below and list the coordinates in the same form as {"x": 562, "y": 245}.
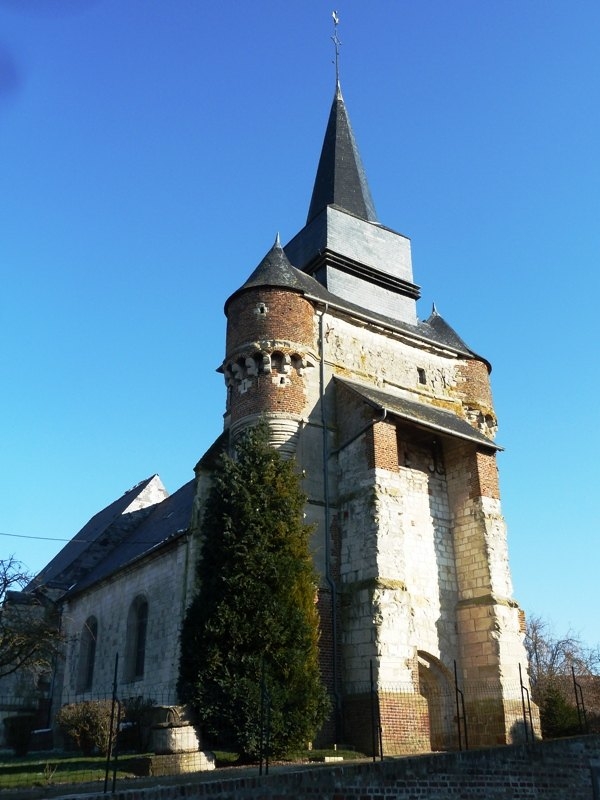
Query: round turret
{"x": 270, "y": 348}
{"x": 476, "y": 394}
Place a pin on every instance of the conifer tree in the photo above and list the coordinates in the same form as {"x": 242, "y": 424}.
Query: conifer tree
{"x": 253, "y": 623}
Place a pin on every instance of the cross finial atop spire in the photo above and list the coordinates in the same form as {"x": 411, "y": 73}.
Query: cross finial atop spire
{"x": 337, "y": 43}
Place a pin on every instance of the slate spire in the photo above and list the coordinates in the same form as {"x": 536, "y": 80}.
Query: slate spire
{"x": 341, "y": 178}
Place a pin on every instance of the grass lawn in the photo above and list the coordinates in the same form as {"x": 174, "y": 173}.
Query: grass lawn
{"x": 46, "y": 769}
{"x": 52, "y": 768}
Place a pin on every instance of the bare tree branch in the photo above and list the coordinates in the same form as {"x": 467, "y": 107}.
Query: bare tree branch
{"x": 29, "y": 625}
{"x": 552, "y": 657}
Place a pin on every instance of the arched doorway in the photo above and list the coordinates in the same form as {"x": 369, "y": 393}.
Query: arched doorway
{"x": 436, "y": 686}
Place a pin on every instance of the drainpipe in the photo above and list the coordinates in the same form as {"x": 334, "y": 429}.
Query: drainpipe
{"x": 328, "y": 575}
{"x": 186, "y": 578}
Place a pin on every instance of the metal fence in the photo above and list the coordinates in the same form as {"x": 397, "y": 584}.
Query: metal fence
{"x": 98, "y": 738}
{"x": 105, "y": 737}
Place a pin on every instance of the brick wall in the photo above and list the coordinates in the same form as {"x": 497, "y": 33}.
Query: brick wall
{"x": 484, "y": 475}
{"x": 565, "y": 768}
{"x": 382, "y": 446}
{"x": 473, "y": 382}
{"x": 472, "y": 473}
{"x": 285, "y": 314}
{"x": 267, "y": 394}
{"x": 269, "y": 333}
{"x": 473, "y": 388}
{"x": 405, "y": 723}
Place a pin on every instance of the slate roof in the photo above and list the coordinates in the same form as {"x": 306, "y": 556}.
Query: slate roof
{"x": 276, "y": 270}
{"x": 341, "y": 178}
{"x": 445, "y": 332}
{"x": 62, "y": 570}
{"x": 167, "y": 521}
{"x": 421, "y": 414}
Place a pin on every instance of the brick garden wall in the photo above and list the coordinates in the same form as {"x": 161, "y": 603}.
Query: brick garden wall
{"x": 553, "y": 770}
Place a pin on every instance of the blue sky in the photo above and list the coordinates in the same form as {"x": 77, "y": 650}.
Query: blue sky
{"x": 151, "y": 150}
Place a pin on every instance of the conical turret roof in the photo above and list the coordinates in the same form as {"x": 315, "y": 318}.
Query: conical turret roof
{"x": 276, "y": 270}
{"x": 445, "y": 333}
{"x": 341, "y": 178}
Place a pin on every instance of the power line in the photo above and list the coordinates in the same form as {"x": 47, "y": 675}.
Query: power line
{"x": 42, "y": 538}
{"x": 89, "y": 541}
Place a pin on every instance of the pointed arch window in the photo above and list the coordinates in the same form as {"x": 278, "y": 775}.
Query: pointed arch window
{"x": 137, "y": 628}
{"x": 87, "y": 655}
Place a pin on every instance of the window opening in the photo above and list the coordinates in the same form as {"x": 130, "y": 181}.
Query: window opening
{"x": 137, "y": 628}
{"x": 87, "y": 654}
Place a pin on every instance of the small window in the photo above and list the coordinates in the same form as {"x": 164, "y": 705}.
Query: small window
{"x": 422, "y": 375}
{"x": 87, "y": 655}
{"x": 137, "y": 628}
{"x": 277, "y": 361}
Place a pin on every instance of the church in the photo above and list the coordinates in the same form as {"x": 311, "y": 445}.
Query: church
{"x": 392, "y": 425}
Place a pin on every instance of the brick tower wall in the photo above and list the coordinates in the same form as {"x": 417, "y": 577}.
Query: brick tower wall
{"x": 269, "y": 366}
{"x": 474, "y": 390}
{"x": 261, "y": 314}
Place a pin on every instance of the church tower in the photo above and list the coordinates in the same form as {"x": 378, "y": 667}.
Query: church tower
{"x": 392, "y": 424}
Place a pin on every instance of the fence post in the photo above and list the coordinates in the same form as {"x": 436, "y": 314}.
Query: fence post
{"x": 376, "y": 732}
{"x": 109, "y": 748}
{"x": 116, "y": 748}
{"x": 460, "y": 703}
{"x": 268, "y": 731}
{"x": 581, "y": 712}
{"x": 265, "y": 722}
{"x": 262, "y": 716}
{"x": 372, "y": 694}
{"x": 527, "y": 718}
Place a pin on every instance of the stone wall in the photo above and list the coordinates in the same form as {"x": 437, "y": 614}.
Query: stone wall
{"x": 398, "y": 566}
{"x": 373, "y": 357}
{"x": 165, "y": 582}
{"x": 424, "y": 566}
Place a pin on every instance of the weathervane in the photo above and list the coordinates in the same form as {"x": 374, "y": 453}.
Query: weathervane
{"x": 337, "y": 43}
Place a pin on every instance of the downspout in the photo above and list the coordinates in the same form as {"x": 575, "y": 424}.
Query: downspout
{"x": 328, "y": 575}
{"x": 187, "y": 538}
{"x": 186, "y": 567}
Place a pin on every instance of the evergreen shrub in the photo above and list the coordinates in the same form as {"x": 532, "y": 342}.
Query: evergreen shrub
{"x": 249, "y": 644}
